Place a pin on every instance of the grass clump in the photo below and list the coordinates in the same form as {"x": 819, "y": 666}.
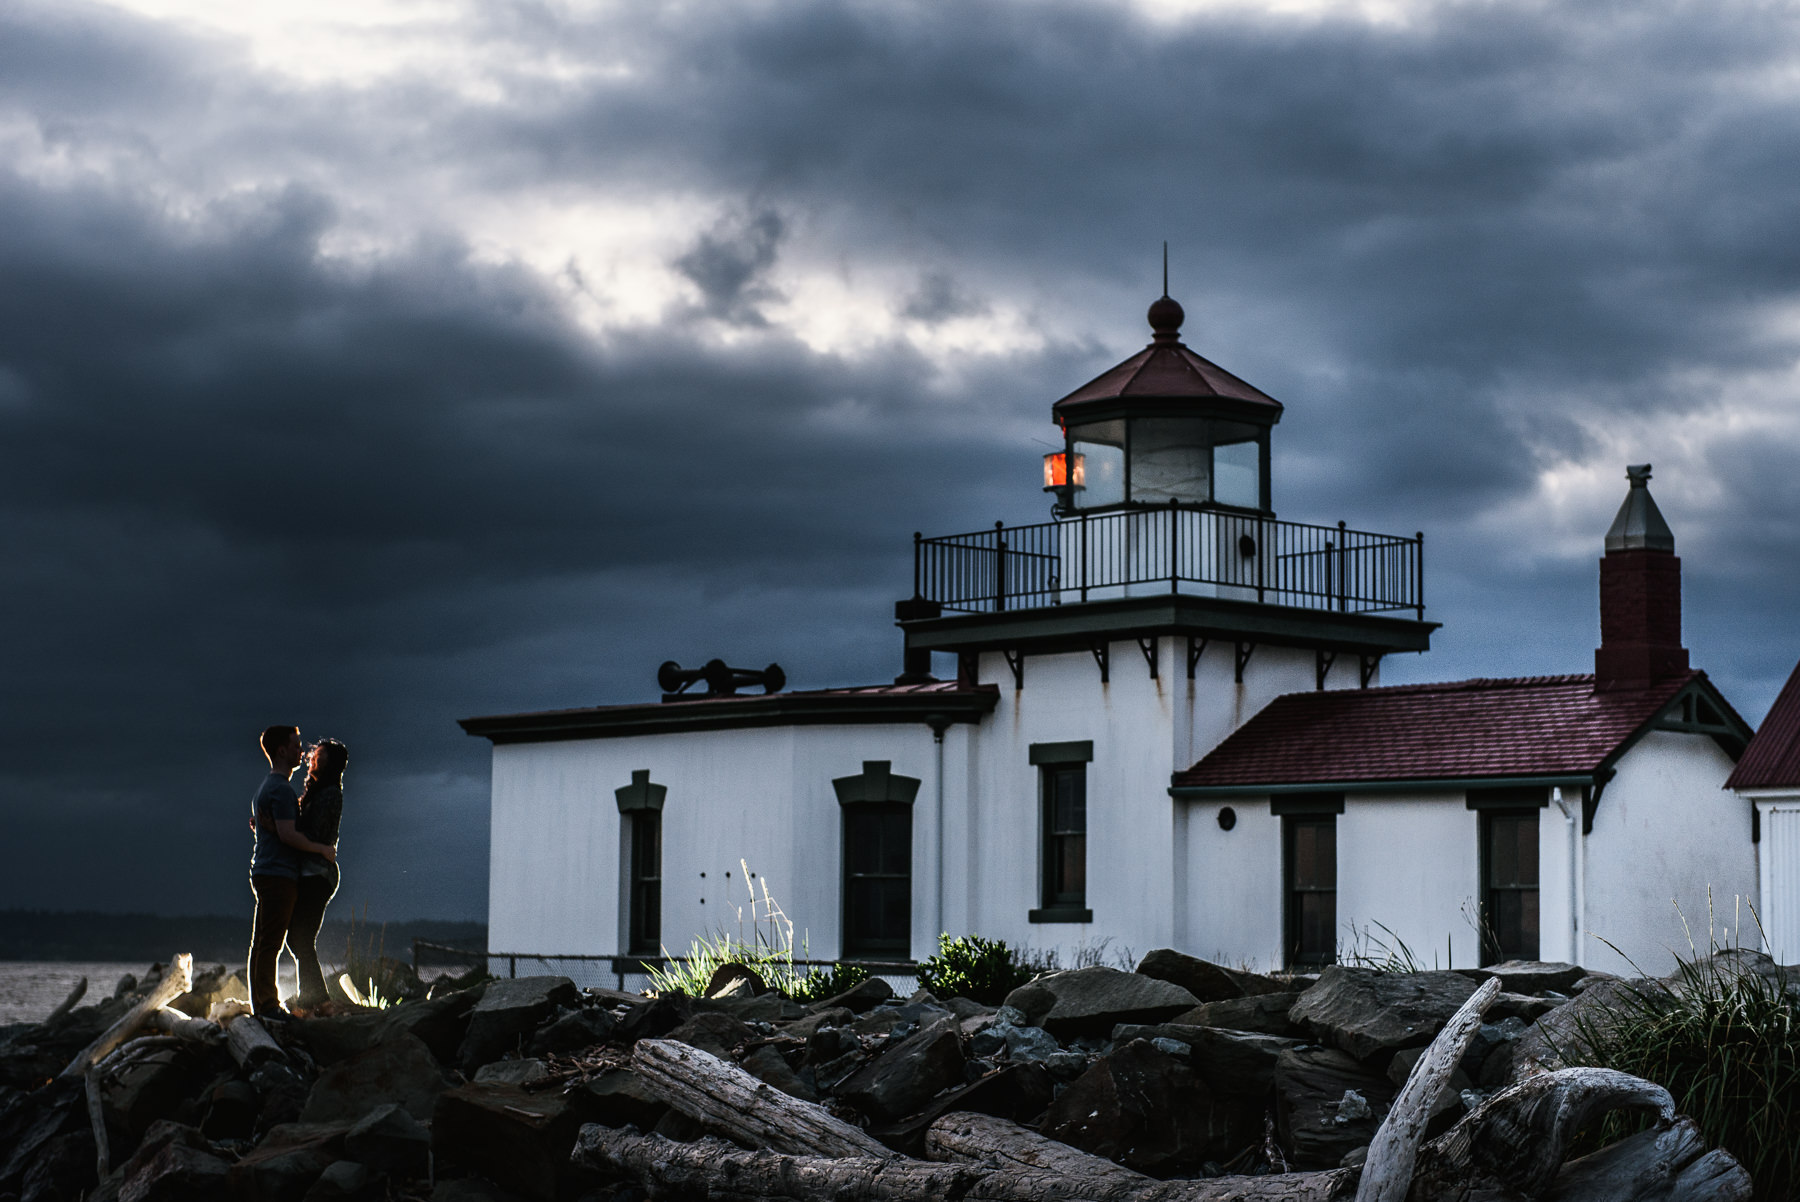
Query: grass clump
{"x": 1724, "y": 1040}
{"x": 767, "y": 948}
{"x": 982, "y": 970}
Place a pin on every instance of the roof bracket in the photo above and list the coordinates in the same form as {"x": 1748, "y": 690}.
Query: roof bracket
{"x": 1322, "y": 662}
{"x": 1016, "y": 661}
{"x": 1148, "y": 647}
{"x": 1243, "y": 657}
{"x": 1369, "y": 664}
{"x": 1103, "y": 656}
{"x": 1196, "y": 648}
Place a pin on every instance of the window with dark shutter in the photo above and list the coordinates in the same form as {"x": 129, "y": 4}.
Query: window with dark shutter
{"x": 1309, "y": 858}
{"x": 877, "y": 880}
{"x": 646, "y": 883}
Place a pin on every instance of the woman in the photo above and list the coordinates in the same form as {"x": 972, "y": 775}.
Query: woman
{"x": 321, "y": 807}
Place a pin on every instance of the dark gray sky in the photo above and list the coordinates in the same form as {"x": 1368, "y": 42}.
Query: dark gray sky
{"x": 373, "y": 365}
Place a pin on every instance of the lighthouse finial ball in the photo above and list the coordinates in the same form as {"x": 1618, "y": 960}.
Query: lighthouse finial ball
{"x": 1166, "y": 317}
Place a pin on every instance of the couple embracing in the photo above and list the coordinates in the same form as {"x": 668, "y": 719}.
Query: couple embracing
{"x": 293, "y": 865}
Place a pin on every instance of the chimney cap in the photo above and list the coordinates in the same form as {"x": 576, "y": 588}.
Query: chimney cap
{"x": 1639, "y": 524}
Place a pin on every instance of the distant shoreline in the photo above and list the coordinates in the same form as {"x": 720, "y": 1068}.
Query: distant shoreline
{"x": 89, "y": 935}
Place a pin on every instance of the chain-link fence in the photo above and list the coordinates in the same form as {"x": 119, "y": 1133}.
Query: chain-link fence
{"x": 611, "y": 970}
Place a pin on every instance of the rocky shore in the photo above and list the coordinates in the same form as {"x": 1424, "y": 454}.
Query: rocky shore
{"x": 1180, "y": 1080}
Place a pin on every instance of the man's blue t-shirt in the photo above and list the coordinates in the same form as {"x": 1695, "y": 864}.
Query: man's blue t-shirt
{"x": 274, "y": 802}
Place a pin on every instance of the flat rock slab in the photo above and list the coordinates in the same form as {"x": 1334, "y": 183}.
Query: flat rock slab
{"x": 715, "y": 1033}
{"x": 866, "y": 996}
{"x": 400, "y": 1070}
{"x": 1208, "y": 982}
{"x": 1267, "y": 1012}
{"x": 1528, "y": 976}
{"x": 1315, "y": 1126}
{"x": 1097, "y": 999}
{"x": 508, "y": 1012}
{"x": 1143, "y": 1108}
{"x": 1019, "y": 1092}
{"x": 392, "y": 1141}
{"x": 1232, "y": 1063}
{"x": 1558, "y": 1037}
{"x": 1369, "y": 1013}
{"x": 517, "y": 1139}
{"x": 907, "y": 1076}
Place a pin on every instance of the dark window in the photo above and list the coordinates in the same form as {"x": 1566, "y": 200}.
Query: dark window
{"x": 1309, "y": 855}
{"x": 1509, "y": 877}
{"x": 646, "y": 883}
{"x": 877, "y": 880}
{"x": 1065, "y": 836}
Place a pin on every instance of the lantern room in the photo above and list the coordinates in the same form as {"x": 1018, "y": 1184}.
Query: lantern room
{"x": 1164, "y": 427}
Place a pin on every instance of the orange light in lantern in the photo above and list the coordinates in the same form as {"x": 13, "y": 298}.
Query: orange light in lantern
{"x": 1057, "y": 473}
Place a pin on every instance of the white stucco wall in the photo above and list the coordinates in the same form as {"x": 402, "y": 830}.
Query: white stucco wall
{"x": 1409, "y": 862}
{"x": 1667, "y": 832}
{"x": 1232, "y": 902}
{"x": 762, "y": 795}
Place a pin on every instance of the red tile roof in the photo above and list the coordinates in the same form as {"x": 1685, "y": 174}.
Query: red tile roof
{"x": 1524, "y": 727}
{"x": 1773, "y": 758}
{"x": 1168, "y": 370}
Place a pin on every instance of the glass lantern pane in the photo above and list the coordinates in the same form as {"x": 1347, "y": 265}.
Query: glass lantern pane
{"x": 1101, "y": 447}
{"x": 1169, "y": 460}
{"x": 1237, "y": 474}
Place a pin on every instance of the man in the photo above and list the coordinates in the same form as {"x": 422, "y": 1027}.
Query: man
{"x": 275, "y": 865}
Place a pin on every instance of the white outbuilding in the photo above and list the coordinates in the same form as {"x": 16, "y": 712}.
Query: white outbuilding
{"x": 1768, "y": 777}
{"x": 1166, "y": 729}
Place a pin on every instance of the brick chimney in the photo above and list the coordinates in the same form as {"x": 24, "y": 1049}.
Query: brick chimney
{"x": 1640, "y": 595}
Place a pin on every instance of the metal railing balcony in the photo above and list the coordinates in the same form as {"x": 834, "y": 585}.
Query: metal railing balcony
{"x": 1143, "y": 552}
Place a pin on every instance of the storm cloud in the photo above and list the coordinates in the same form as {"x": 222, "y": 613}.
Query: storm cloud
{"x": 375, "y": 375}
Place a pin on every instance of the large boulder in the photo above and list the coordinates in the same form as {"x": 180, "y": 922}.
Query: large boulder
{"x": 907, "y": 1076}
{"x": 771, "y": 1068}
{"x": 1528, "y": 976}
{"x": 1371, "y": 1014}
{"x": 1208, "y": 982}
{"x": 1232, "y": 1063}
{"x": 715, "y": 1033}
{"x": 160, "y": 1084}
{"x": 288, "y": 1161}
{"x": 392, "y": 1141}
{"x": 348, "y": 1181}
{"x": 619, "y": 1097}
{"x": 1145, "y": 1109}
{"x": 516, "y": 1139}
{"x": 1327, "y": 1105}
{"x": 508, "y": 1012}
{"x": 1563, "y": 1036}
{"x": 866, "y": 996}
{"x": 1019, "y": 1092}
{"x": 400, "y": 1070}
{"x": 174, "y": 1163}
{"x": 1265, "y": 1012}
{"x": 440, "y": 1021}
{"x": 1087, "y": 1000}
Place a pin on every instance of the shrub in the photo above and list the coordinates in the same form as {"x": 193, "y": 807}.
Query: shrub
{"x": 1725, "y": 1043}
{"x": 982, "y": 970}
{"x": 822, "y": 983}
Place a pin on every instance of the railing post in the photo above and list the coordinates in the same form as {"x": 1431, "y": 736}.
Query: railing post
{"x": 1174, "y": 518}
{"x": 999, "y": 566}
{"x": 1262, "y": 558}
{"x": 918, "y": 555}
{"x": 1084, "y": 556}
{"x": 1419, "y": 569}
{"x": 1342, "y": 583}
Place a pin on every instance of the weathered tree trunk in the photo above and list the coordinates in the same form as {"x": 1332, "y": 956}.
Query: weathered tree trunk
{"x": 730, "y": 1101}
{"x": 1518, "y": 1138}
{"x": 177, "y": 981}
{"x": 68, "y": 1003}
{"x": 181, "y": 1026}
{"x": 97, "y": 1120}
{"x": 1388, "y": 1170}
{"x": 720, "y": 1172}
{"x": 1668, "y": 1162}
{"x": 964, "y": 1138}
{"x": 249, "y": 1043}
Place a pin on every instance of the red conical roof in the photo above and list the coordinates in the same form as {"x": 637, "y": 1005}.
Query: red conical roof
{"x": 1167, "y": 370}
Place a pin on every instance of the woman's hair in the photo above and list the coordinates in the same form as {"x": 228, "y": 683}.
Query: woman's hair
{"x": 333, "y": 757}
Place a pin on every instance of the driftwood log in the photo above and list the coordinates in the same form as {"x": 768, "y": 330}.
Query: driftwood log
{"x": 249, "y": 1042}
{"x": 182, "y": 1026}
{"x": 1512, "y": 1146}
{"x": 1388, "y": 1171}
{"x": 722, "y": 1172}
{"x": 97, "y": 1120}
{"x": 728, "y": 1100}
{"x": 68, "y": 1003}
{"x": 177, "y": 981}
